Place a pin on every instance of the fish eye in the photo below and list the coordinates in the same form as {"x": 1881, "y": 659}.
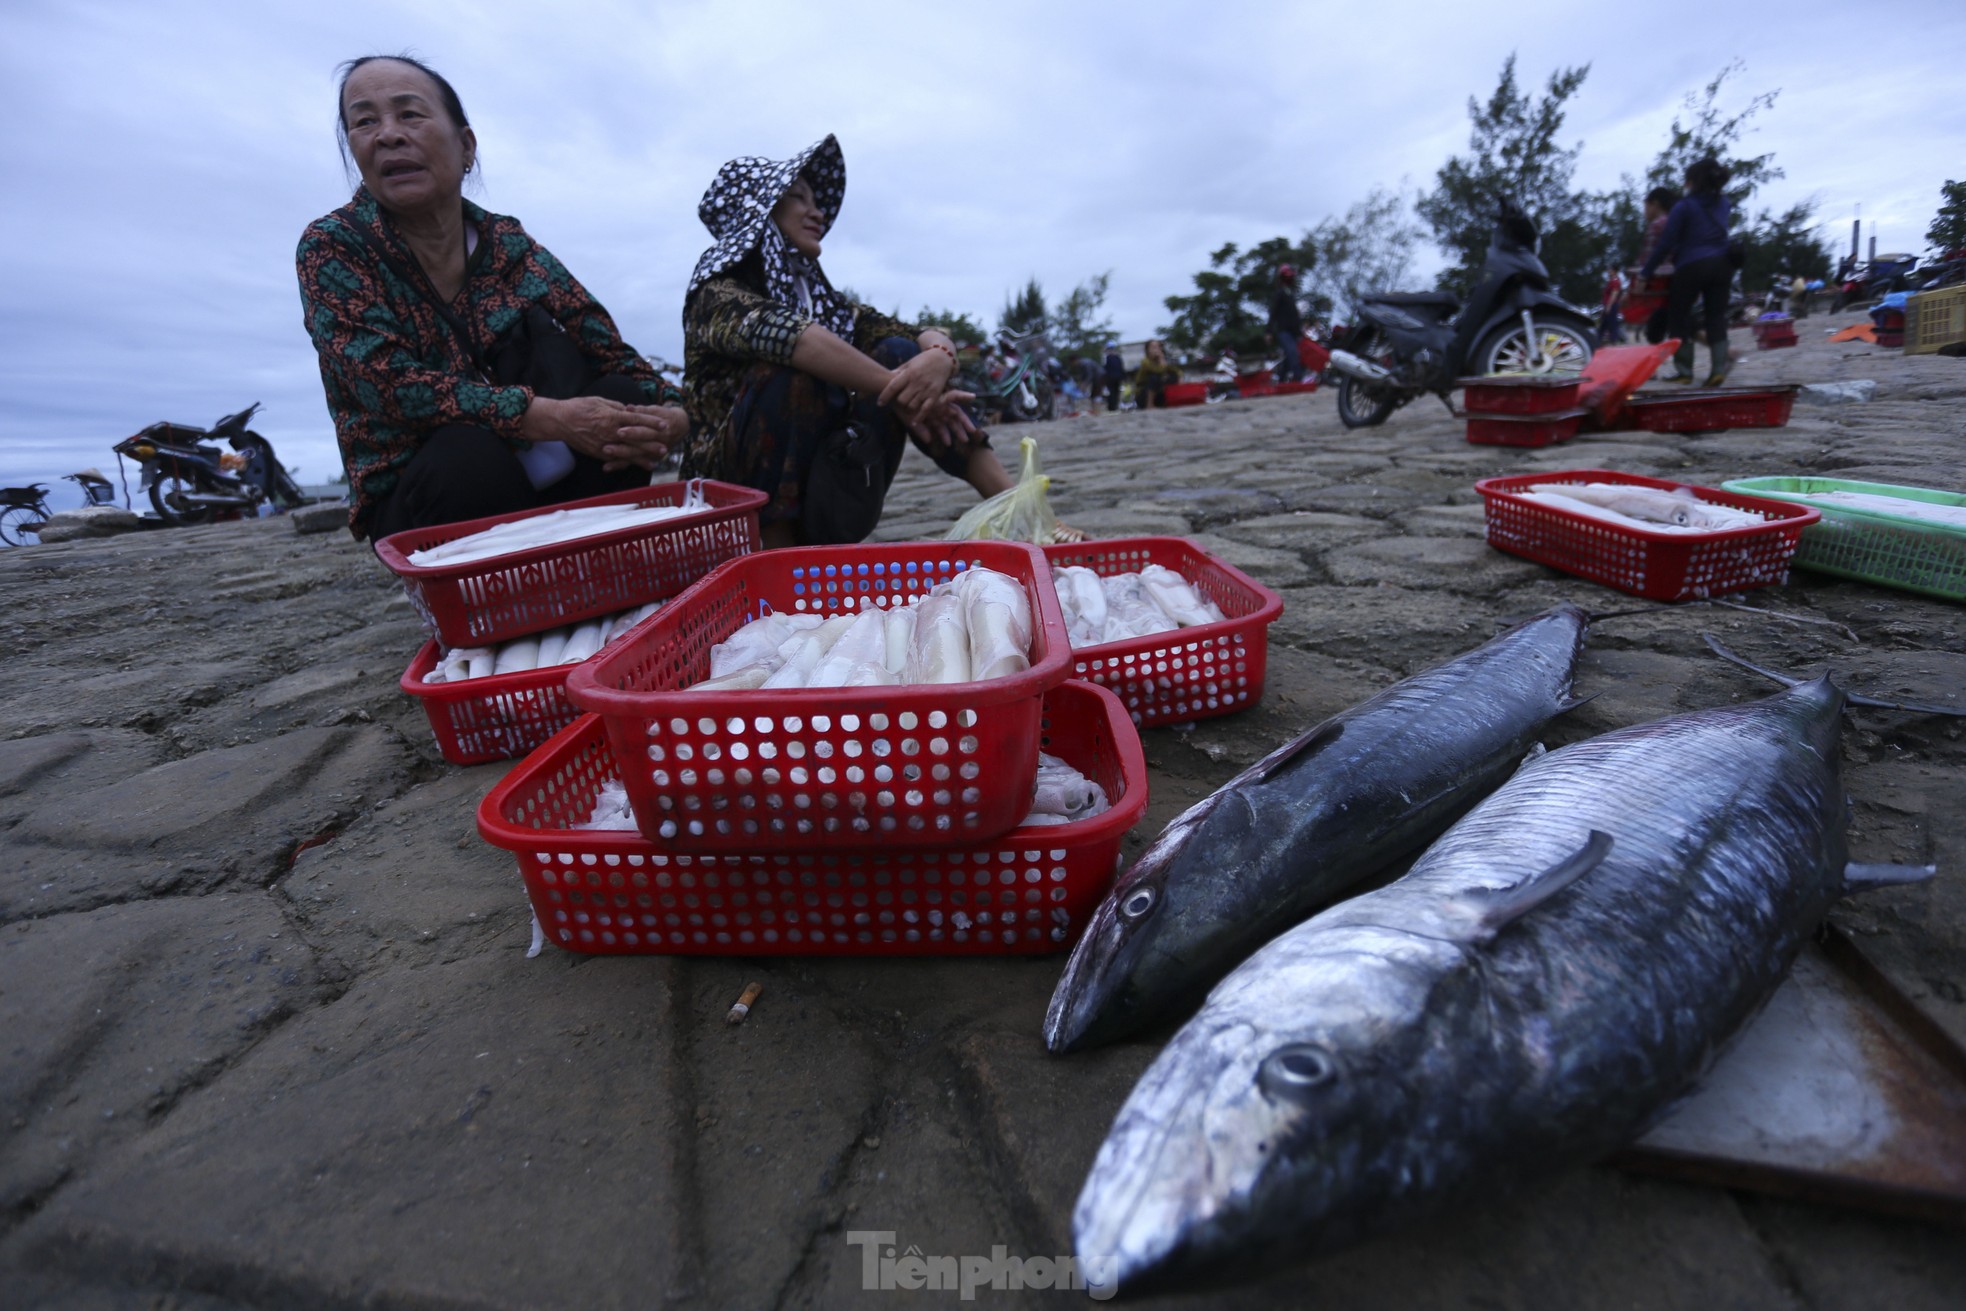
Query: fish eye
{"x": 1297, "y": 1068}
{"x": 1137, "y": 903}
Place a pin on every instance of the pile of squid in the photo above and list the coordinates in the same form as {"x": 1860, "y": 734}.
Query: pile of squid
{"x": 1650, "y": 509}
{"x": 568, "y": 645}
{"x": 1113, "y": 607}
{"x": 974, "y": 627}
{"x": 552, "y": 528}
{"x": 1061, "y": 795}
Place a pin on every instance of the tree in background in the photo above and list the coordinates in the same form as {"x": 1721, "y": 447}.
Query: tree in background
{"x": 1074, "y": 326}
{"x": 1711, "y": 130}
{"x": 1948, "y": 230}
{"x": 962, "y": 329}
{"x": 1077, "y": 326}
{"x": 1230, "y": 307}
{"x": 1514, "y": 152}
{"x": 1369, "y": 249}
{"x": 1024, "y": 312}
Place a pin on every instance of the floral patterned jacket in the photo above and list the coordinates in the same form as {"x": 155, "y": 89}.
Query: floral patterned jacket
{"x": 394, "y": 371}
{"x": 729, "y": 325}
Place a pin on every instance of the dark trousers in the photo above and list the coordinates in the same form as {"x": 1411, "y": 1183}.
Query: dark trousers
{"x": 1290, "y": 365}
{"x": 464, "y": 472}
{"x": 1707, "y": 282}
{"x": 782, "y": 417}
{"x": 1112, "y": 394}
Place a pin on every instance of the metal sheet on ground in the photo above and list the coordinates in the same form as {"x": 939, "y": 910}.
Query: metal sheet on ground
{"x": 1841, "y": 1091}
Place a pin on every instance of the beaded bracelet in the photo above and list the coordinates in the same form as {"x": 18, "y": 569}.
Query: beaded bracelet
{"x": 938, "y": 346}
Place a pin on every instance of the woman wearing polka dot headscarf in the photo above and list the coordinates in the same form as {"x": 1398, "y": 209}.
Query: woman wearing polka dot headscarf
{"x": 782, "y": 372}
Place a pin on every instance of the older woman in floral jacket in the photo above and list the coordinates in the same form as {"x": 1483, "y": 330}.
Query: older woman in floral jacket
{"x": 409, "y": 290}
{"x": 783, "y": 374}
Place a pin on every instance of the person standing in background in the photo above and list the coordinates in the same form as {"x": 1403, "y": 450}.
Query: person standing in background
{"x": 1696, "y": 238}
{"x": 1115, "y": 374}
{"x": 1287, "y": 325}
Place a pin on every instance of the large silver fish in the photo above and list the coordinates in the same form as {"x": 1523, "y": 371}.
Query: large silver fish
{"x": 1315, "y": 816}
{"x": 1542, "y": 984}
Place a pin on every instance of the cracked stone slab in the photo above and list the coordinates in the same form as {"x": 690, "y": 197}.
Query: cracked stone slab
{"x": 1457, "y": 564}
{"x": 1271, "y": 567}
{"x": 248, "y": 788}
{"x": 493, "y": 1133}
{"x": 1301, "y": 530}
{"x": 110, "y": 1016}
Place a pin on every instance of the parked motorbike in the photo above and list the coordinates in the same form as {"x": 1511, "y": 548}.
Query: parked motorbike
{"x": 190, "y": 480}
{"x": 1407, "y": 344}
{"x": 1014, "y": 388}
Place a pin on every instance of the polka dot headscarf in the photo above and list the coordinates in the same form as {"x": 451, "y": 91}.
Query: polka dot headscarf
{"x": 737, "y": 210}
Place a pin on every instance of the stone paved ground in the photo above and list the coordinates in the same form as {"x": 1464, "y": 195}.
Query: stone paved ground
{"x": 271, "y": 1039}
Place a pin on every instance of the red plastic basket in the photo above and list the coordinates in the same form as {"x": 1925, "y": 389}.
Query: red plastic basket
{"x": 1644, "y": 298}
{"x": 614, "y": 892}
{"x": 1190, "y": 673}
{"x": 837, "y": 767}
{"x": 1659, "y": 566}
{"x": 1502, "y": 394}
{"x": 1263, "y": 382}
{"x": 1713, "y": 409}
{"x": 497, "y": 717}
{"x": 1185, "y": 393}
{"x": 1524, "y": 429}
{"x": 495, "y": 600}
{"x": 1770, "y": 334}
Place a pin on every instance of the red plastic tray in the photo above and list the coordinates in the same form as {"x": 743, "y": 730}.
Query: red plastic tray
{"x": 495, "y": 600}
{"x": 1712, "y": 409}
{"x": 1615, "y": 372}
{"x": 1524, "y": 429}
{"x": 1190, "y": 673}
{"x": 614, "y": 892}
{"x": 833, "y": 768}
{"x": 1502, "y": 394}
{"x": 1659, "y": 566}
{"x": 1185, "y": 393}
{"x": 498, "y": 717}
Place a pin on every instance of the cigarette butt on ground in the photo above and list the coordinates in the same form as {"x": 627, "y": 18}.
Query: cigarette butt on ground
{"x": 744, "y": 1004}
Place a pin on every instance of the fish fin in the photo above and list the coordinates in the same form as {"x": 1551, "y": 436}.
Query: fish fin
{"x": 1565, "y": 707}
{"x": 1536, "y": 751}
{"x": 1499, "y": 907}
{"x": 1859, "y": 877}
{"x": 1302, "y": 749}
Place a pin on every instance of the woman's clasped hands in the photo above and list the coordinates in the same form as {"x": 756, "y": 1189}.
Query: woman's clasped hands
{"x": 921, "y": 394}
{"x": 618, "y": 435}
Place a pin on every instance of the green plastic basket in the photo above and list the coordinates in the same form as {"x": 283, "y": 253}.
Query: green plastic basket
{"x": 1895, "y": 550}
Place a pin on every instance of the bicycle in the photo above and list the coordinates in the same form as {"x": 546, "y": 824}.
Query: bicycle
{"x": 22, "y": 512}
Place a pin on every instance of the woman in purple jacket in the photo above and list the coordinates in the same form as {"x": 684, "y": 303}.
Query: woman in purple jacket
{"x": 1697, "y": 241}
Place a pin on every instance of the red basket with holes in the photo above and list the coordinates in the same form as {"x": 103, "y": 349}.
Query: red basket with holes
{"x": 1661, "y": 566}
{"x": 498, "y": 717}
{"x": 481, "y": 602}
{"x": 1524, "y": 429}
{"x": 1644, "y": 298}
{"x": 614, "y": 892}
{"x": 1510, "y": 394}
{"x": 1712, "y": 409}
{"x": 1190, "y": 673}
{"x": 836, "y": 767}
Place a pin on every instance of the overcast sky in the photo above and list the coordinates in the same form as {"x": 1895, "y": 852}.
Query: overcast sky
{"x": 162, "y": 158}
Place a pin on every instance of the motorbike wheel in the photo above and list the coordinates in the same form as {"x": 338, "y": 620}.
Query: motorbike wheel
{"x": 20, "y": 526}
{"x": 167, "y": 498}
{"x": 1361, "y": 405}
{"x": 1566, "y": 348}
